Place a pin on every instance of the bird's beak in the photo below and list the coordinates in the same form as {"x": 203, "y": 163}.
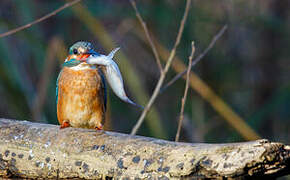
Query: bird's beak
{"x": 80, "y": 57}
{"x": 83, "y": 57}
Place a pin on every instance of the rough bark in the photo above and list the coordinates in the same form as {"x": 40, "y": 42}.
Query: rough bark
{"x": 32, "y": 150}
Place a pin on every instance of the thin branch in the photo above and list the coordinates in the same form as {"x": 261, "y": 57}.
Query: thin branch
{"x": 196, "y": 60}
{"x": 201, "y": 87}
{"x": 142, "y": 22}
{"x": 163, "y": 74}
{"x": 40, "y": 19}
{"x": 185, "y": 92}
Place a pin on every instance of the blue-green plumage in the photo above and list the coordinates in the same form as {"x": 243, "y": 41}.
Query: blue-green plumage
{"x": 56, "y": 89}
{"x": 71, "y": 63}
{"x": 104, "y": 87}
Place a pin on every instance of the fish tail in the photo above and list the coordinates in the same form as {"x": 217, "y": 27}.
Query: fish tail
{"x": 112, "y": 53}
{"x": 135, "y": 104}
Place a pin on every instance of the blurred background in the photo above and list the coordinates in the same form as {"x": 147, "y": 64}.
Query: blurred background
{"x": 243, "y": 79}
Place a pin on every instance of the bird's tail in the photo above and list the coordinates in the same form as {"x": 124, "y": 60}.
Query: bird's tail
{"x": 112, "y": 53}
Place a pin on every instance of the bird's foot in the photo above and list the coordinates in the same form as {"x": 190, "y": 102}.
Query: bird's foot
{"x": 99, "y": 127}
{"x": 64, "y": 125}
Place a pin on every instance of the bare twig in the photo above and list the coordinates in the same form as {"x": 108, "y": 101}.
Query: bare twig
{"x": 163, "y": 74}
{"x": 142, "y": 22}
{"x": 196, "y": 60}
{"x": 185, "y": 92}
{"x": 66, "y": 5}
{"x": 201, "y": 87}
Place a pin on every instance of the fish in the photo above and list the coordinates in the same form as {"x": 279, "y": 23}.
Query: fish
{"x": 112, "y": 73}
{"x": 101, "y": 59}
{"x": 115, "y": 80}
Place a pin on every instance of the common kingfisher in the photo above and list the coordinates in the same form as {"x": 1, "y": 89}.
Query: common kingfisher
{"x": 81, "y": 87}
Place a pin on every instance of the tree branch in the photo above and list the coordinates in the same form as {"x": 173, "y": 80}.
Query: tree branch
{"x": 33, "y": 150}
{"x": 201, "y": 87}
{"x": 164, "y": 72}
{"x": 185, "y": 92}
{"x": 66, "y": 5}
{"x": 196, "y": 60}
{"x": 142, "y": 22}
{"x": 217, "y": 103}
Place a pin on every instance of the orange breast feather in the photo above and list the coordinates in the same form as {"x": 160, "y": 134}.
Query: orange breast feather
{"x": 81, "y": 100}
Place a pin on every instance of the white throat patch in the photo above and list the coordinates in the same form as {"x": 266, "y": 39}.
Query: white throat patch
{"x": 82, "y": 66}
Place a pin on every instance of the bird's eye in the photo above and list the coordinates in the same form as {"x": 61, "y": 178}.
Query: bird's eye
{"x": 75, "y": 51}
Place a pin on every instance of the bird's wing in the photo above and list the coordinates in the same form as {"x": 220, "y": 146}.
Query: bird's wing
{"x": 103, "y": 86}
{"x": 56, "y": 89}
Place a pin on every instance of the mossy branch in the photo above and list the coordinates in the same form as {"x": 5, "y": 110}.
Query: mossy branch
{"x": 32, "y": 150}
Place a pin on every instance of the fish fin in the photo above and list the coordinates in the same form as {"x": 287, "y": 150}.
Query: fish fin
{"x": 112, "y": 53}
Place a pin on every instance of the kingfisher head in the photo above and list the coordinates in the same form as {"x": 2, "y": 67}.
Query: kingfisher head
{"x": 80, "y": 50}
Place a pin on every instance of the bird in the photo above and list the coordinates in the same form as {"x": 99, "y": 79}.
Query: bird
{"x": 81, "y": 90}
{"x": 81, "y": 87}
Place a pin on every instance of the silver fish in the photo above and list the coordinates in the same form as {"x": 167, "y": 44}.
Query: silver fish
{"x": 101, "y": 59}
{"x": 112, "y": 73}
